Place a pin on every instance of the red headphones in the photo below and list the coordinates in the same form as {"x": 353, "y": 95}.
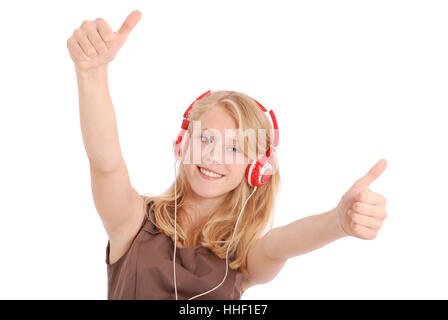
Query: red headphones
{"x": 257, "y": 172}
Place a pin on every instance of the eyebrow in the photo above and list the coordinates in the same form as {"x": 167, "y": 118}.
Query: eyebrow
{"x": 234, "y": 139}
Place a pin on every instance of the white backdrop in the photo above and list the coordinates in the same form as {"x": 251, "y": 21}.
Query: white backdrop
{"x": 351, "y": 82}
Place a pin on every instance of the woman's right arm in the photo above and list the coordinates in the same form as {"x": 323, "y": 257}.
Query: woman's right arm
{"x": 97, "y": 119}
{"x": 92, "y": 47}
{"x": 117, "y": 202}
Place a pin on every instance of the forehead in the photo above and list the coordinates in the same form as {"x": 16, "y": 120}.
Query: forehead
{"x": 216, "y": 117}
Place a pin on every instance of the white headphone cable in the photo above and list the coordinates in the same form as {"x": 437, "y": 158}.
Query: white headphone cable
{"x": 175, "y": 238}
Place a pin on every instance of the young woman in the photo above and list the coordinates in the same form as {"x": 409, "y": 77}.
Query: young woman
{"x": 209, "y": 235}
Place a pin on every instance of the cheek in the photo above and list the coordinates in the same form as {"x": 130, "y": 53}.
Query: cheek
{"x": 237, "y": 172}
{"x": 189, "y": 170}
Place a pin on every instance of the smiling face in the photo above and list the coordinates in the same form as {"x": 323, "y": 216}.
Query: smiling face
{"x": 218, "y": 171}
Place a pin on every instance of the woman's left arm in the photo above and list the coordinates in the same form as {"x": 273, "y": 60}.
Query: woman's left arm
{"x": 302, "y": 236}
{"x": 360, "y": 213}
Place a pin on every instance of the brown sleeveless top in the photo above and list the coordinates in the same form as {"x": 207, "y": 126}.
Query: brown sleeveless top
{"x": 145, "y": 271}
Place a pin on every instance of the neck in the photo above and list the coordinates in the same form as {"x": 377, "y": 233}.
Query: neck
{"x": 205, "y": 206}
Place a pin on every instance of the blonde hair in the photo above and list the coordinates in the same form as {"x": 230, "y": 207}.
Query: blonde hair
{"x": 216, "y": 231}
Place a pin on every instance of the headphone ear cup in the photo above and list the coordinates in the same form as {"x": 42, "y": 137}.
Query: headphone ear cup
{"x": 266, "y": 173}
{"x": 183, "y": 145}
{"x": 180, "y": 144}
{"x": 252, "y": 172}
{"x": 259, "y": 172}
{"x": 176, "y": 147}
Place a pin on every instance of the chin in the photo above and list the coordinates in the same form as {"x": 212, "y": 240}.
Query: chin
{"x": 206, "y": 192}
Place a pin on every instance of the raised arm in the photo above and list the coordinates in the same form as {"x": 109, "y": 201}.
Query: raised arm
{"x": 97, "y": 119}
{"x": 360, "y": 213}
{"x": 303, "y": 235}
{"x": 269, "y": 254}
{"x": 92, "y": 47}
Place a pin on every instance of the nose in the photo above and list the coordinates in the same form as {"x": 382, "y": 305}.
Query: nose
{"x": 212, "y": 153}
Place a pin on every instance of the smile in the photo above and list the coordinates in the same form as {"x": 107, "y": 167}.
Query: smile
{"x": 209, "y": 175}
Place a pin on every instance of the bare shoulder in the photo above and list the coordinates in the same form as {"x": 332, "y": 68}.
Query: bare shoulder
{"x": 121, "y": 242}
{"x": 247, "y": 283}
{"x": 261, "y": 267}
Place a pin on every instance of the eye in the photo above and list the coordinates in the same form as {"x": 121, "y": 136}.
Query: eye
{"x": 235, "y": 149}
{"x": 206, "y": 139}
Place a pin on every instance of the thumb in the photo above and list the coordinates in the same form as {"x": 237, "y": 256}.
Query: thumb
{"x": 130, "y": 22}
{"x": 365, "y": 181}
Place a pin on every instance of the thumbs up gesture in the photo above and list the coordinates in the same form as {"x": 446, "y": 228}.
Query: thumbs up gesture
{"x": 94, "y": 44}
{"x": 361, "y": 211}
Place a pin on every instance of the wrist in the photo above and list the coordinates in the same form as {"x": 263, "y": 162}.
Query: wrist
{"x": 340, "y": 229}
{"x": 93, "y": 72}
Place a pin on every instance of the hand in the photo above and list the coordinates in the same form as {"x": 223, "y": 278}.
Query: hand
{"x": 94, "y": 44}
{"x": 361, "y": 210}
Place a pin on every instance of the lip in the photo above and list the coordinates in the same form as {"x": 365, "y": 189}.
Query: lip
{"x": 207, "y": 177}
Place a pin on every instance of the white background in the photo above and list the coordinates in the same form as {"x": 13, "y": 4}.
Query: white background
{"x": 351, "y": 82}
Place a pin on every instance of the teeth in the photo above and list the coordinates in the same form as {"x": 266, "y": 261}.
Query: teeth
{"x": 210, "y": 174}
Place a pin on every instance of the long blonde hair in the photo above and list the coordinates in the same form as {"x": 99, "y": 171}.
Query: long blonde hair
{"x": 216, "y": 232}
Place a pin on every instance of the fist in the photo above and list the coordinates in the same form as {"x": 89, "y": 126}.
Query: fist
{"x": 94, "y": 44}
{"x": 362, "y": 211}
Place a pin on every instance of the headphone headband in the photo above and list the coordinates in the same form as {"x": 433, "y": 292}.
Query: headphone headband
{"x": 186, "y": 120}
